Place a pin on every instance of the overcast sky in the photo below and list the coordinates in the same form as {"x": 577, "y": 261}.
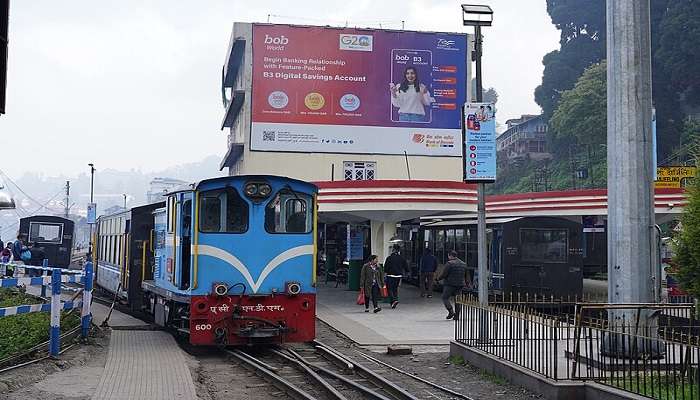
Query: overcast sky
{"x": 136, "y": 84}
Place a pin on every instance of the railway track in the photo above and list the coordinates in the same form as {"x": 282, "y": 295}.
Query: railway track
{"x": 315, "y": 371}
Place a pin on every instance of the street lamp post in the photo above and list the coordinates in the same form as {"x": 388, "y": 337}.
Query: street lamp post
{"x": 478, "y": 16}
{"x": 92, "y": 191}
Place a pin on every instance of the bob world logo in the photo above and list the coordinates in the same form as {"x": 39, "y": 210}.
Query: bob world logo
{"x": 355, "y": 42}
{"x": 275, "y": 43}
{"x": 446, "y": 44}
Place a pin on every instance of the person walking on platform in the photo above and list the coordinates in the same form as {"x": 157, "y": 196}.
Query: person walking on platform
{"x": 18, "y": 248}
{"x": 428, "y": 265}
{"x": 371, "y": 279}
{"x": 394, "y": 268}
{"x": 455, "y": 279}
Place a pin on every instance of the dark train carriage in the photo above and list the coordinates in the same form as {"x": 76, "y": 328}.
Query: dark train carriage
{"x": 53, "y": 234}
{"x": 536, "y": 255}
{"x": 124, "y": 252}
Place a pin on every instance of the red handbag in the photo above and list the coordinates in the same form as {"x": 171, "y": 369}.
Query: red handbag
{"x": 385, "y": 291}
{"x": 361, "y": 297}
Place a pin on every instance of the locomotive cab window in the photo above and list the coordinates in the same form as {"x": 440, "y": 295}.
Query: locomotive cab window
{"x": 289, "y": 212}
{"x": 544, "y": 245}
{"x": 223, "y": 211}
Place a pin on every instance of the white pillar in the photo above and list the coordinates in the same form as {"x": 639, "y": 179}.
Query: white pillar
{"x": 382, "y": 232}
{"x": 630, "y": 163}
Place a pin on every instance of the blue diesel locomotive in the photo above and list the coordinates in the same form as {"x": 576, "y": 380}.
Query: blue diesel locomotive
{"x": 228, "y": 260}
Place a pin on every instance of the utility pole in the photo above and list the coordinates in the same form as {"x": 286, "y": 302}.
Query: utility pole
{"x": 67, "y": 202}
{"x": 124, "y": 200}
{"x": 631, "y": 222}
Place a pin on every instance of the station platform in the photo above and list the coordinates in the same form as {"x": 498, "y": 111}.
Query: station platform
{"x": 416, "y": 320}
{"x": 145, "y": 365}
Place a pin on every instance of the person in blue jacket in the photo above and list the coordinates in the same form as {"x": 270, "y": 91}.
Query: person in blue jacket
{"x": 428, "y": 265}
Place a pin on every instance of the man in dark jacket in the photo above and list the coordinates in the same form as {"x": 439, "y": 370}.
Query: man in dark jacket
{"x": 394, "y": 268}
{"x": 455, "y": 276}
{"x": 38, "y": 256}
{"x": 428, "y": 265}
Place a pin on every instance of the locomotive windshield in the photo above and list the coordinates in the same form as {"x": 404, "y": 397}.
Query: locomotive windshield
{"x": 289, "y": 212}
{"x": 223, "y": 211}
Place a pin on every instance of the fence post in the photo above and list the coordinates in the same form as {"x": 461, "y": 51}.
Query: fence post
{"x": 44, "y": 264}
{"x": 55, "y": 332}
{"x": 86, "y": 315}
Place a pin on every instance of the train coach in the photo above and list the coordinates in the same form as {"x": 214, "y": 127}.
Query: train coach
{"x": 54, "y": 235}
{"x": 227, "y": 260}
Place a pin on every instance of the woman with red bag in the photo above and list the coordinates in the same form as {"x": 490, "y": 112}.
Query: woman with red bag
{"x": 371, "y": 281}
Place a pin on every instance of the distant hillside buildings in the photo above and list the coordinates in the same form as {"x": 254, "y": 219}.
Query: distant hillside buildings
{"x": 525, "y": 138}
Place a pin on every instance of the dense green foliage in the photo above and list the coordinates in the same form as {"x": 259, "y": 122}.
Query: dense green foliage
{"x": 21, "y": 332}
{"x": 687, "y": 256}
{"x": 573, "y": 138}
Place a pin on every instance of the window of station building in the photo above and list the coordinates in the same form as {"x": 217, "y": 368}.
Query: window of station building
{"x": 289, "y": 212}
{"x": 544, "y": 245}
{"x": 359, "y": 170}
{"x": 222, "y": 211}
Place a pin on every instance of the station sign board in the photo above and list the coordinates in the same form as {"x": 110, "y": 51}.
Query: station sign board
{"x": 480, "y": 142}
{"x": 338, "y": 90}
{"x": 355, "y": 242}
{"x": 674, "y": 176}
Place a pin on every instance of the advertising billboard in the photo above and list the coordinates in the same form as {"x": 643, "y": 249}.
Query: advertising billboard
{"x": 334, "y": 90}
{"x": 480, "y": 146}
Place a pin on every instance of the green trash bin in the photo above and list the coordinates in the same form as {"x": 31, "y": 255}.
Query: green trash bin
{"x": 354, "y": 270}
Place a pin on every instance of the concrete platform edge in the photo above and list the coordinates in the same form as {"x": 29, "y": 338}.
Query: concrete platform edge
{"x": 549, "y": 388}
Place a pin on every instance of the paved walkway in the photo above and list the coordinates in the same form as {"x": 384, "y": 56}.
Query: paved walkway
{"x": 145, "y": 365}
{"x": 415, "y": 321}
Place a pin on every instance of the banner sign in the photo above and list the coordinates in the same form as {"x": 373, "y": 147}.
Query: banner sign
{"x": 674, "y": 177}
{"x": 91, "y": 213}
{"x": 593, "y": 223}
{"x": 334, "y": 90}
{"x": 480, "y": 136}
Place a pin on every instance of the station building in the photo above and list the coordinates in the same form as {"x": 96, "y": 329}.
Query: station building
{"x": 377, "y": 178}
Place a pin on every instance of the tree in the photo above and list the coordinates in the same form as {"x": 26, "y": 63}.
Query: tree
{"x": 687, "y": 247}
{"x": 582, "y": 111}
{"x": 582, "y": 43}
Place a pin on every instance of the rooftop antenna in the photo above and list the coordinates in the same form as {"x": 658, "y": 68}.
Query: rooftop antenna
{"x": 402, "y": 24}
{"x": 268, "y": 18}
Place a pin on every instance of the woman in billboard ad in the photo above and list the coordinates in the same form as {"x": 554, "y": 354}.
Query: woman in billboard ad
{"x": 410, "y": 97}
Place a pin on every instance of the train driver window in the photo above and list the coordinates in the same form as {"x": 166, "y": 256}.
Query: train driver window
{"x": 289, "y": 212}
{"x": 223, "y": 211}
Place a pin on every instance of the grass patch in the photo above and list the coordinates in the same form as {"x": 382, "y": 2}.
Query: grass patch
{"x": 22, "y": 332}
{"x": 456, "y": 360}
{"x": 493, "y": 378}
{"x": 658, "y": 387}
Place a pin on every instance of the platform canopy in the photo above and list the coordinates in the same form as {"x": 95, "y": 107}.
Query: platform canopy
{"x": 392, "y": 200}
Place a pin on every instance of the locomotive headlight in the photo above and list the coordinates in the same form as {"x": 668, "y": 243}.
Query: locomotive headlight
{"x": 264, "y": 190}
{"x": 251, "y": 189}
{"x": 293, "y": 288}
{"x": 221, "y": 289}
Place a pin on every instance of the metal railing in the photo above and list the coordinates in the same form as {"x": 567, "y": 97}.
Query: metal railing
{"x": 53, "y": 281}
{"x": 647, "y": 349}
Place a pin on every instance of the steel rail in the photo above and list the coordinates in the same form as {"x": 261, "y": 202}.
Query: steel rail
{"x": 45, "y": 345}
{"x": 324, "y": 384}
{"x": 414, "y": 376}
{"x": 276, "y": 380}
{"x": 369, "y": 374}
{"x": 373, "y": 394}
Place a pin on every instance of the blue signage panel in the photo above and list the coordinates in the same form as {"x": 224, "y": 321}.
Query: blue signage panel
{"x": 480, "y": 137}
{"x": 355, "y": 243}
{"x": 91, "y": 213}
